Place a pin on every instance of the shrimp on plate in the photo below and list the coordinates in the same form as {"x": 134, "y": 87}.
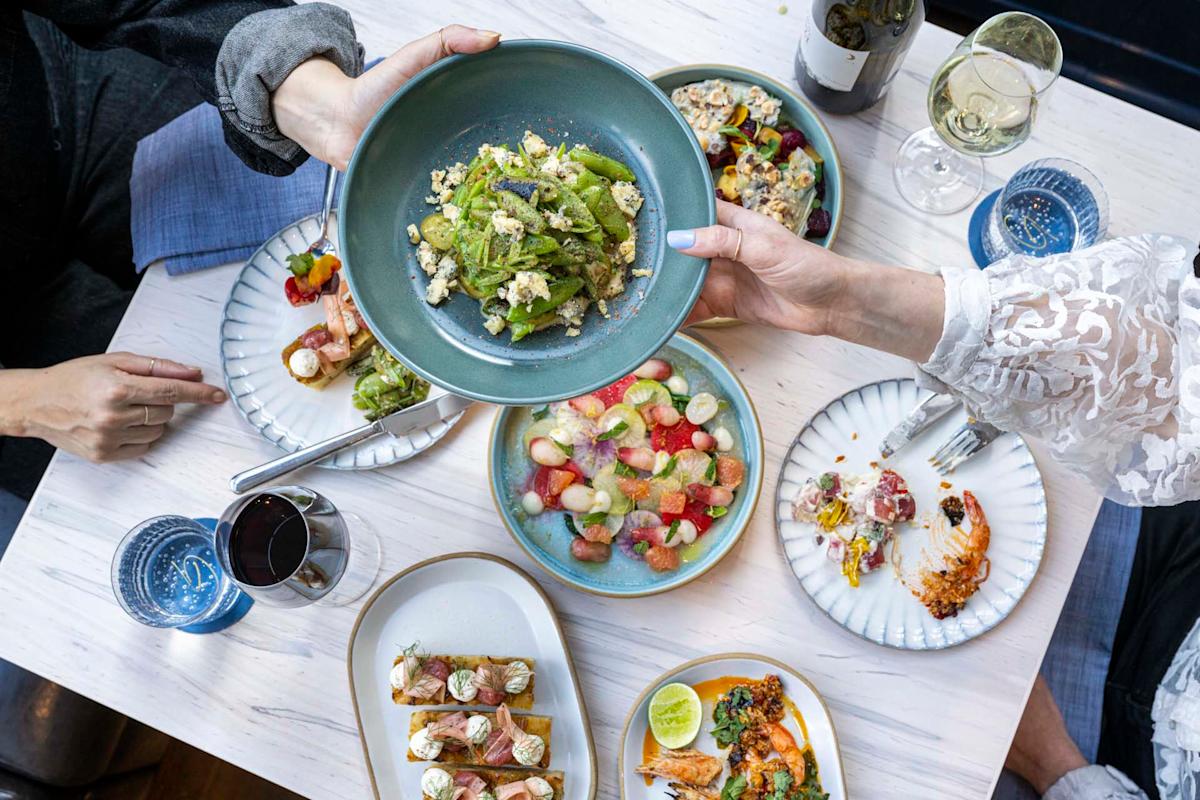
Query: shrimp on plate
{"x": 684, "y": 766}
{"x": 955, "y": 561}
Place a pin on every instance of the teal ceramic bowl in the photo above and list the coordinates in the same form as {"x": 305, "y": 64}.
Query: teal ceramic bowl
{"x": 566, "y": 93}
{"x": 545, "y": 536}
{"x": 795, "y": 109}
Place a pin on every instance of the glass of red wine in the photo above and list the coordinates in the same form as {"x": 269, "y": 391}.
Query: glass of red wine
{"x": 290, "y": 546}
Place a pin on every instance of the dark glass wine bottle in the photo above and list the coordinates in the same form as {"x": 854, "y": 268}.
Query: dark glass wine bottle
{"x": 851, "y": 49}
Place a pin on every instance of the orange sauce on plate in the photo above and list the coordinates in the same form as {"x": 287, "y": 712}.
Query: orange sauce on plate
{"x": 710, "y": 691}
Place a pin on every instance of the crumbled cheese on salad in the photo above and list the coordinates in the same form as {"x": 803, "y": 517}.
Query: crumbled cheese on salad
{"x": 706, "y": 106}
{"x": 603, "y": 307}
{"x": 451, "y": 212}
{"x": 642, "y": 273}
{"x": 628, "y": 248}
{"x": 443, "y": 281}
{"x": 500, "y": 155}
{"x": 494, "y": 324}
{"x": 572, "y": 331}
{"x": 557, "y": 220}
{"x": 762, "y": 106}
{"x": 506, "y": 225}
{"x": 427, "y": 258}
{"x": 571, "y": 312}
{"x": 627, "y": 197}
{"x": 525, "y": 287}
{"x": 414, "y": 235}
{"x": 534, "y": 145}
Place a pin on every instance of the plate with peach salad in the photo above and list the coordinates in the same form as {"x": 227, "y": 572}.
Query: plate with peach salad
{"x": 638, "y": 487}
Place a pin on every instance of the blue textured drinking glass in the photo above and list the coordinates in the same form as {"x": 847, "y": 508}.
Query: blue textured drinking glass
{"x": 1049, "y": 206}
{"x": 166, "y": 575}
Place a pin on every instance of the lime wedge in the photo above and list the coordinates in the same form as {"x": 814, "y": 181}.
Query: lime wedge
{"x": 675, "y": 715}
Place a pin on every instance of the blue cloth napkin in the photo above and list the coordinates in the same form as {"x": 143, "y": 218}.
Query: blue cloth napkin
{"x": 1076, "y": 663}
{"x": 194, "y": 204}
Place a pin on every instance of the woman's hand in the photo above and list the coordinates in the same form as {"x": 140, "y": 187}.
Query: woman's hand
{"x": 102, "y": 408}
{"x": 781, "y": 280}
{"x": 778, "y": 279}
{"x": 325, "y": 112}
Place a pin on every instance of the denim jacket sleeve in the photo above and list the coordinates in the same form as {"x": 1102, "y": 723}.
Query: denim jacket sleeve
{"x": 235, "y": 51}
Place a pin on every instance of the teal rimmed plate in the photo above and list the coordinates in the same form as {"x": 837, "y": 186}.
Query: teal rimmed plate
{"x": 566, "y": 93}
{"x": 545, "y": 536}
{"x": 795, "y": 109}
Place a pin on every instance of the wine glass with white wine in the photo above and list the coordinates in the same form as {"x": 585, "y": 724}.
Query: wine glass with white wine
{"x": 982, "y": 102}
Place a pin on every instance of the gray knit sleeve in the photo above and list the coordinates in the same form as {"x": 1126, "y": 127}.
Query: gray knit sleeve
{"x": 256, "y": 56}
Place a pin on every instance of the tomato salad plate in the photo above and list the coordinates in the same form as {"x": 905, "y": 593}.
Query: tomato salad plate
{"x": 463, "y": 687}
{"x": 735, "y": 726}
{"x": 638, "y": 487}
{"x": 509, "y": 245}
{"x": 302, "y": 365}
{"x": 892, "y": 550}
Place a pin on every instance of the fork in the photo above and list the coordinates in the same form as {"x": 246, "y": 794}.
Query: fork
{"x": 968, "y": 440}
{"x": 323, "y": 245}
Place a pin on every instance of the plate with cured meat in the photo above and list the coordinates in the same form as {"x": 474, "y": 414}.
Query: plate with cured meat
{"x": 889, "y": 548}
{"x": 464, "y": 688}
{"x": 301, "y": 364}
{"x": 734, "y": 726}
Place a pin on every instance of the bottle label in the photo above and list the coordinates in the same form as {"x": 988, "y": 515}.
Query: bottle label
{"x": 833, "y": 66}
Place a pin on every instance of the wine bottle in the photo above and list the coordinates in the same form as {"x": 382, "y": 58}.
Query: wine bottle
{"x": 851, "y": 49}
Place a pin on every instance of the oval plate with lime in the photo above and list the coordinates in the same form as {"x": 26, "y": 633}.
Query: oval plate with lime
{"x": 676, "y": 712}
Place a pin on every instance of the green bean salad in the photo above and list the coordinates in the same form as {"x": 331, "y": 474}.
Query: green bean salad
{"x": 537, "y": 235}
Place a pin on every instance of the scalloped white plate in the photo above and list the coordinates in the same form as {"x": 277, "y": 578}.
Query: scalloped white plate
{"x": 1003, "y": 477}
{"x": 257, "y": 323}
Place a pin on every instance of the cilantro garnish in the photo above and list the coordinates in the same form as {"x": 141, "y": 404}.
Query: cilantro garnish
{"x": 641, "y": 547}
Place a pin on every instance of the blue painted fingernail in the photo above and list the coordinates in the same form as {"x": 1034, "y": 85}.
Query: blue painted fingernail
{"x": 681, "y": 240}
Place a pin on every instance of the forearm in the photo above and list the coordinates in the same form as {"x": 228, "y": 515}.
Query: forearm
{"x": 301, "y": 105}
{"x": 14, "y": 401}
{"x": 893, "y": 309}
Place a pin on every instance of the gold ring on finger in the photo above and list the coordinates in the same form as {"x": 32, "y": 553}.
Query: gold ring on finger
{"x": 153, "y": 361}
{"x": 737, "y": 251}
{"x": 146, "y": 415}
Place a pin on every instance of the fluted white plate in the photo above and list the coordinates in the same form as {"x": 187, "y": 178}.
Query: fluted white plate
{"x": 1003, "y": 477}
{"x": 258, "y": 322}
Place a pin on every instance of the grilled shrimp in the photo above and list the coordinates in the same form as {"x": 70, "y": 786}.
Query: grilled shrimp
{"x": 785, "y": 744}
{"x": 681, "y": 791}
{"x": 955, "y": 563}
{"x": 686, "y": 766}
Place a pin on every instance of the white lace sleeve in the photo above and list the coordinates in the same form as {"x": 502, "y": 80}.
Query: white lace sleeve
{"x": 1095, "y": 352}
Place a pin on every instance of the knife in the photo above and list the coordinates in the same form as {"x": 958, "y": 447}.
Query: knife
{"x": 927, "y": 412}
{"x": 397, "y": 423}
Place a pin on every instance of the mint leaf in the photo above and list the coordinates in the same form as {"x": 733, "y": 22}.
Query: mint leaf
{"x": 669, "y": 468}
{"x": 624, "y": 470}
{"x": 541, "y": 413}
{"x": 613, "y": 432}
{"x": 711, "y": 472}
{"x": 716, "y": 512}
{"x": 641, "y": 547}
{"x": 569, "y": 449}
{"x": 597, "y": 518}
{"x": 671, "y": 532}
